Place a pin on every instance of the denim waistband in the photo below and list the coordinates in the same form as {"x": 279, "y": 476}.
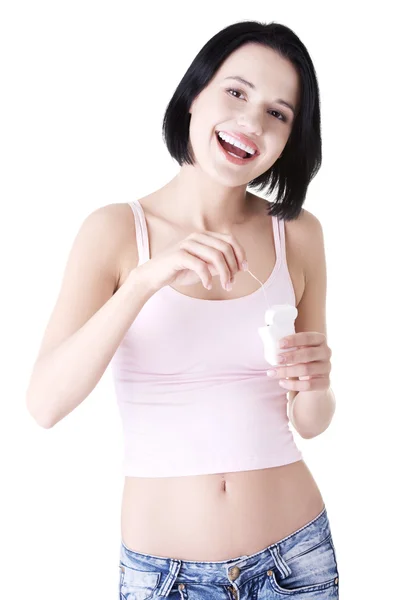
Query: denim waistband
{"x": 241, "y": 568}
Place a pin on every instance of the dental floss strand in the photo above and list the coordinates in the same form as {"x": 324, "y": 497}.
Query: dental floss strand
{"x": 262, "y": 285}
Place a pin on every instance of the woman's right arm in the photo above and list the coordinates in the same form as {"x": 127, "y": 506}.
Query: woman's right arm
{"x": 88, "y": 321}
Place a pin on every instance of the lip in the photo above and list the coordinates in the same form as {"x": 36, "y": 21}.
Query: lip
{"x": 240, "y": 137}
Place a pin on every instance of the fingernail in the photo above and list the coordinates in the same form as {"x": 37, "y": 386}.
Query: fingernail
{"x": 228, "y": 286}
{"x": 245, "y": 265}
{"x": 271, "y": 372}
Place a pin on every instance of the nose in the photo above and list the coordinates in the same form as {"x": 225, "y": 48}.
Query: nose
{"x": 250, "y": 124}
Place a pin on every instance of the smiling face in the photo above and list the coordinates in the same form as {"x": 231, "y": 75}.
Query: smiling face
{"x": 238, "y": 109}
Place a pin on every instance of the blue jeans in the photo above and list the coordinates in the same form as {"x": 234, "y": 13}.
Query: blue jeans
{"x": 302, "y": 565}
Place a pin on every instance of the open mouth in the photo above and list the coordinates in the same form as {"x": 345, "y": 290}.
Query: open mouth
{"x": 234, "y": 150}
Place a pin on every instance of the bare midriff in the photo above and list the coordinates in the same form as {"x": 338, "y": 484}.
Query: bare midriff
{"x": 217, "y": 517}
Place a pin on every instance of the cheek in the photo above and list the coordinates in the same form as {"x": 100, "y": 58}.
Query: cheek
{"x": 267, "y": 161}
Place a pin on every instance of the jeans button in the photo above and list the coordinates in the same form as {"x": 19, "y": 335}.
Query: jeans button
{"x": 234, "y": 573}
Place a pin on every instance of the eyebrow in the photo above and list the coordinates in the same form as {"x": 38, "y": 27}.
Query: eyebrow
{"x": 253, "y": 87}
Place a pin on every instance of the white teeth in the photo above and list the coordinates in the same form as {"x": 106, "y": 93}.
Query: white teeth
{"x": 231, "y": 140}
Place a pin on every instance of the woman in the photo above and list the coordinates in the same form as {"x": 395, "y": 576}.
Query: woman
{"x": 218, "y": 502}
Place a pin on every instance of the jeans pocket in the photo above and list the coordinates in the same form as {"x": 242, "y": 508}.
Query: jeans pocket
{"x": 136, "y": 584}
{"x": 312, "y": 571}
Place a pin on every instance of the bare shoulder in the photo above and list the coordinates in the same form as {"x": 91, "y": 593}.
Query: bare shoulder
{"x": 115, "y": 224}
{"x": 307, "y": 222}
{"x": 124, "y": 229}
{"x": 91, "y": 272}
{"x": 304, "y": 234}
{"x": 303, "y": 240}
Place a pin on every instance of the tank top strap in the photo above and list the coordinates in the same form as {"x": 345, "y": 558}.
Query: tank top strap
{"x": 277, "y": 230}
{"x": 142, "y": 236}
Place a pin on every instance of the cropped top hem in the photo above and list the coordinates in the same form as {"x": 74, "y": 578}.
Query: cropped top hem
{"x": 214, "y": 467}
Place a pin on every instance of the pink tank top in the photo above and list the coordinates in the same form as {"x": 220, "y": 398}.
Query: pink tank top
{"x": 191, "y": 384}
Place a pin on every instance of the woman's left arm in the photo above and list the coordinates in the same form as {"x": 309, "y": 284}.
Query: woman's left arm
{"x": 311, "y": 403}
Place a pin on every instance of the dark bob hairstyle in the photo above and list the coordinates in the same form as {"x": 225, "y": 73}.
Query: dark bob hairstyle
{"x": 301, "y": 157}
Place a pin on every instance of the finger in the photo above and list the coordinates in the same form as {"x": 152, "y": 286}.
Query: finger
{"x": 199, "y": 266}
{"x": 239, "y": 251}
{"x": 211, "y": 255}
{"x": 304, "y": 355}
{"x": 220, "y": 253}
{"x": 303, "y": 338}
{"x": 301, "y": 370}
{"x": 314, "y": 383}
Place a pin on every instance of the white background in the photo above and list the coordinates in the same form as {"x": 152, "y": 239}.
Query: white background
{"x": 84, "y": 88}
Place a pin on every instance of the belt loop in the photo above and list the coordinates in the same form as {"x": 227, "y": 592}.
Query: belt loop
{"x": 174, "y": 568}
{"x": 280, "y": 563}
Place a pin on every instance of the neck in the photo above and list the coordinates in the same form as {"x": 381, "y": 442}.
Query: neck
{"x": 200, "y": 203}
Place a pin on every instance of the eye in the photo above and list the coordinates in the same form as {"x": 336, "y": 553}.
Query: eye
{"x": 281, "y": 117}
{"x": 284, "y": 119}
{"x": 236, "y": 92}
